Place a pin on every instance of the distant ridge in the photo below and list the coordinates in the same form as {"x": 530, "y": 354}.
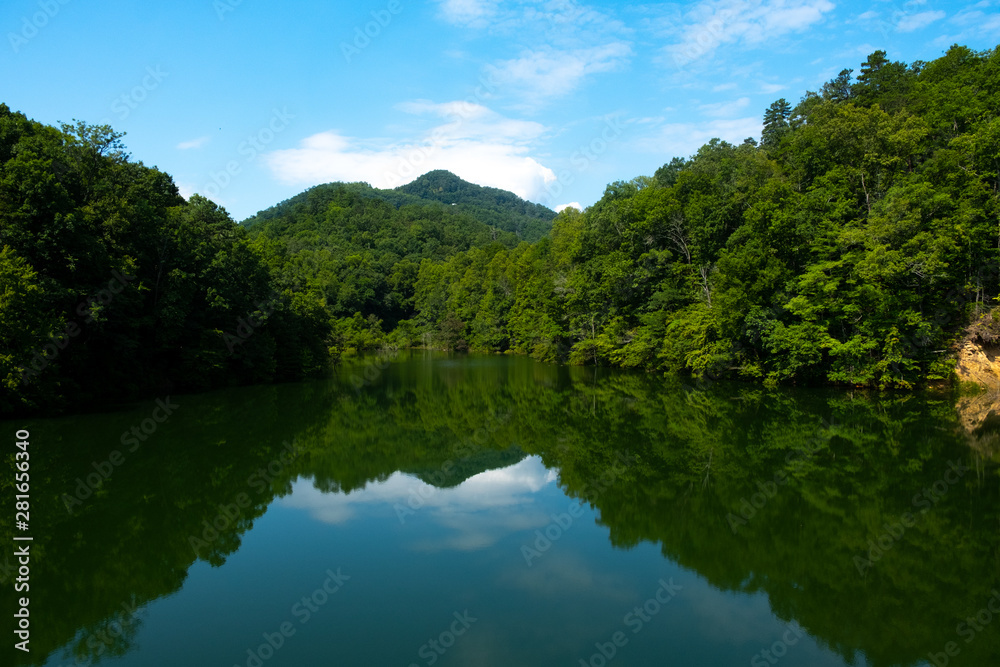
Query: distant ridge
{"x": 496, "y": 208}
{"x": 446, "y": 187}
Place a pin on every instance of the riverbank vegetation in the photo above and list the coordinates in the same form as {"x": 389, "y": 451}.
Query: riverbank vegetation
{"x": 851, "y": 244}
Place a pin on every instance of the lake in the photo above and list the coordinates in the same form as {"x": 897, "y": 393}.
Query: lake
{"x": 488, "y": 510}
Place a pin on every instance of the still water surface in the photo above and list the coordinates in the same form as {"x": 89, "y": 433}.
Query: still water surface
{"x": 497, "y": 511}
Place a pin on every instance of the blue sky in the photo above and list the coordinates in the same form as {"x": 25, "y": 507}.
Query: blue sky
{"x": 251, "y": 102}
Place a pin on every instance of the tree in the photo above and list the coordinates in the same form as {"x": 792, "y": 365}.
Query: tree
{"x": 838, "y": 89}
{"x": 775, "y": 123}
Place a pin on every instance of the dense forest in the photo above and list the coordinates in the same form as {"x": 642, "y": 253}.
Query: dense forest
{"x": 853, "y": 243}
{"x": 112, "y": 286}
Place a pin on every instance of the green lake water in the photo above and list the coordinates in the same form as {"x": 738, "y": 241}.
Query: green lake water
{"x": 495, "y": 511}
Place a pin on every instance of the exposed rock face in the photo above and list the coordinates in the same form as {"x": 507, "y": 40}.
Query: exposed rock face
{"x": 977, "y": 362}
{"x": 980, "y": 413}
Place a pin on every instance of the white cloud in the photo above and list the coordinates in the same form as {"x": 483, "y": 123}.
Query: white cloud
{"x": 186, "y": 189}
{"x": 471, "y": 13}
{"x": 708, "y": 25}
{"x": 560, "y": 22}
{"x": 573, "y": 204}
{"x": 476, "y": 514}
{"x": 684, "y": 139}
{"x": 912, "y": 22}
{"x": 194, "y": 143}
{"x": 558, "y": 43}
{"x": 538, "y": 75}
{"x": 563, "y": 574}
{"x": 725, "y": 109}
{"x": 973, "y": 24}
{"x": 771, "y": 87}
{"x": 475, "y": 143}
{"x": 722, "y": 87}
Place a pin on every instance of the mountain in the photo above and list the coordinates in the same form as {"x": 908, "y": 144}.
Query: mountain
{"x": 496, "y": 210}
{"x": 360, "y": 249}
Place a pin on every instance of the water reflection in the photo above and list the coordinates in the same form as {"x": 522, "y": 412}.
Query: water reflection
{"x": 450, "y": 469}
{"x": 476, "y": 513}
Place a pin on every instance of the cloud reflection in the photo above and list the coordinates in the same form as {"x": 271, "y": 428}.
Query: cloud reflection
{"x": 473, "y": 515}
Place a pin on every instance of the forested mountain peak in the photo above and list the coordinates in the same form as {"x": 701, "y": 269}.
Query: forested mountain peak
{"x": 495, "y": 209}
{"x": 444, "y": 186}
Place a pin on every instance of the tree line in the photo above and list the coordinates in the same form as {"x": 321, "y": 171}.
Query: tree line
{"x": 852, "y": 244}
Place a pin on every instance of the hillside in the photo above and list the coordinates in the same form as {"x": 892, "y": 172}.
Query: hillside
{"x": 359, "y": 248}
{"x": 113, "y": 287}
{"x": 497, "y": 210}
{"x": 851, "y": 245}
